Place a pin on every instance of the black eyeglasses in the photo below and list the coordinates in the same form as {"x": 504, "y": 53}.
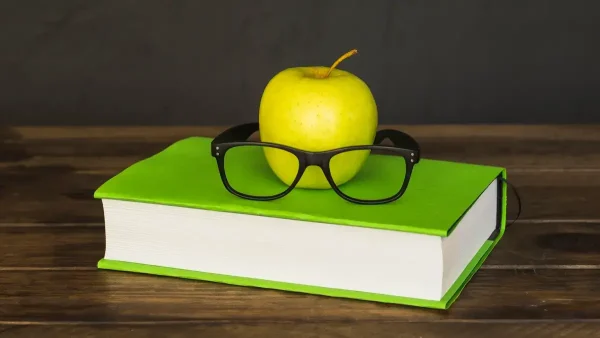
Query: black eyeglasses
{"x": 362, "y": 174}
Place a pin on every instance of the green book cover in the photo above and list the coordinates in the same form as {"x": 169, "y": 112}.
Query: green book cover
{"x": 186, "y": 175}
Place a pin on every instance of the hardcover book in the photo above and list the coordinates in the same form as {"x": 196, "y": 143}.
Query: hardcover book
{"x": 170, "y": 215}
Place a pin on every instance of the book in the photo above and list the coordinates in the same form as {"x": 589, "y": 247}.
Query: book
{"x": 170, "y": 215}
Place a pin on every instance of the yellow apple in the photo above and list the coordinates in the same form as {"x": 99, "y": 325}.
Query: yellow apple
{"x": 315, "y": 109}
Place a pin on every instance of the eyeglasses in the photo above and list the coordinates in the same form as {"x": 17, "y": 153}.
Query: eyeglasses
{"x": 362, "y": 174}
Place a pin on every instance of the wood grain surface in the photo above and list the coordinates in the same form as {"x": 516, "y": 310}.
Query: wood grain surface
{"x": 299, "y": 329}
{"x": 110, "y": 296}
{"x": 543, "y": 279}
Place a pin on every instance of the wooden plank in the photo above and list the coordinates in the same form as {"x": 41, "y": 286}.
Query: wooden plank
{"x": 51, "y": 247}
{"x": 60, "y": 195}
{"x": 108, "y": 149}
{"x": 111, "y": 296}
{"x": 561, "y": 245}
{"x": 303, "y": 330}
{"x": 583, "y": 132}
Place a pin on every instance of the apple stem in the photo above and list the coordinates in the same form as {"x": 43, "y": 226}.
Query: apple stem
{"x": 340, "y": 59}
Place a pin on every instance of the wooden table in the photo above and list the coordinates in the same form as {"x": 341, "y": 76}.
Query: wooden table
{"x": 543, "y": 280}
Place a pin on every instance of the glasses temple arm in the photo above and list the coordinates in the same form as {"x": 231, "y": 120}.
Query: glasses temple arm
{"x": 399, "y": 139}
{"x": 238, "y": 133}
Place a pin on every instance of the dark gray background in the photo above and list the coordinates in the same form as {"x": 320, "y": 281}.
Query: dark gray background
{"x": 207, "y": 62}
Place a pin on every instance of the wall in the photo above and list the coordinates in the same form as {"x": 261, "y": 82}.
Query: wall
{"x": 207, "y": 62}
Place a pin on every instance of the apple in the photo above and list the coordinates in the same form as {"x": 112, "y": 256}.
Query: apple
{"x": 317, "y": 108}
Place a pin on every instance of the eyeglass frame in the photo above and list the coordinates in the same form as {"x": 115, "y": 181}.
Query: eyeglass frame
{"x": 403, "y": 144}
